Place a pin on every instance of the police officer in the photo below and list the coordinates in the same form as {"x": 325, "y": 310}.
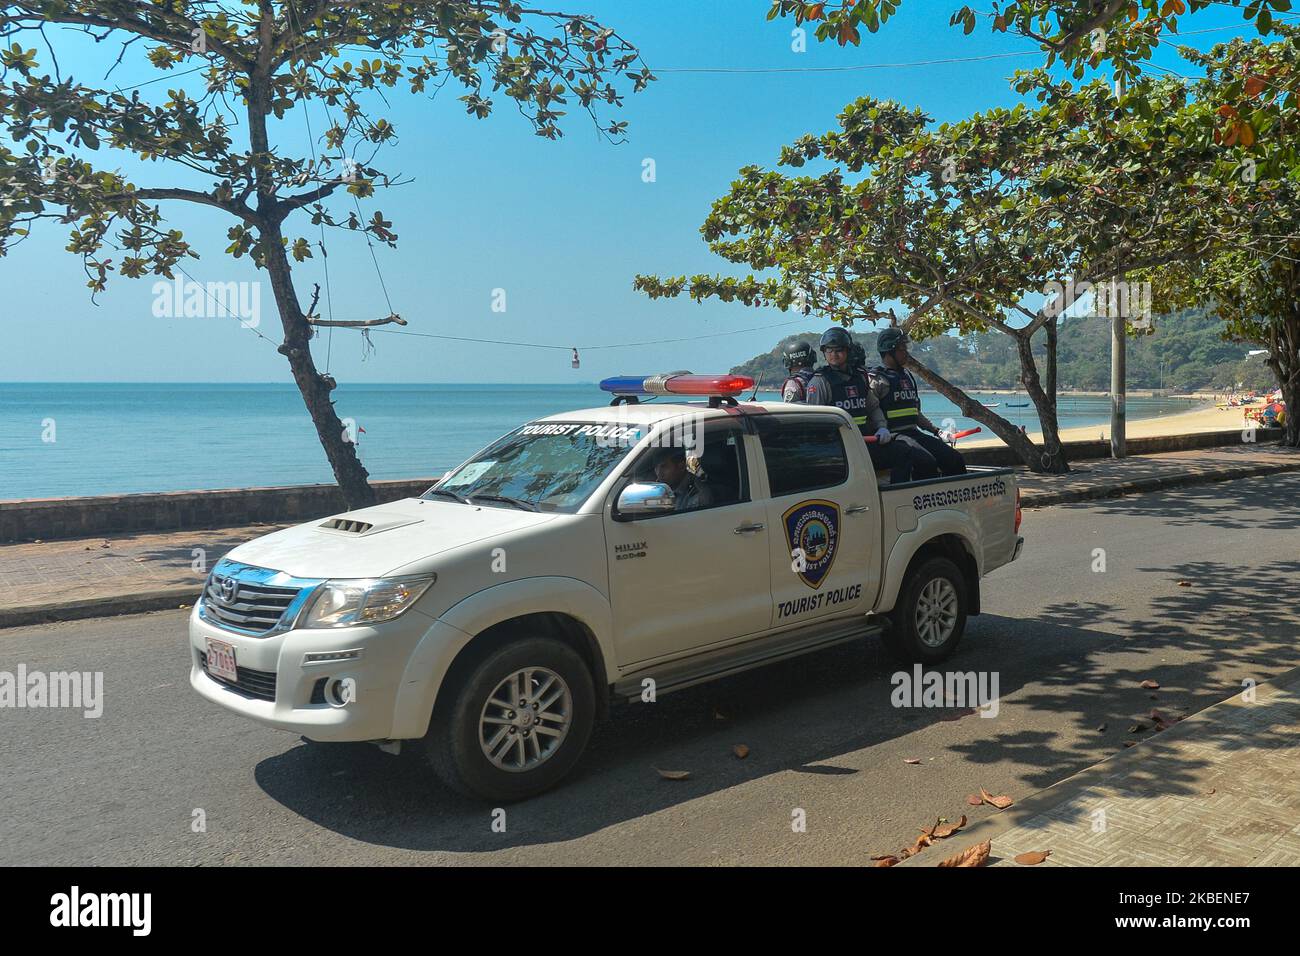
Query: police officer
{"x": 896, "y": 393}
{"x": 799, "y": 359}
{"x": 686, "y": 477}
{"x": 838, "y": 383}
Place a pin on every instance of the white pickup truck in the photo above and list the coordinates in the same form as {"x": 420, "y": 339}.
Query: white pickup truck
{"x": 489, "y": 622}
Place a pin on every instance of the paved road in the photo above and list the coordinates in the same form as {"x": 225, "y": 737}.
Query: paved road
{"x": 1070, "y": 646}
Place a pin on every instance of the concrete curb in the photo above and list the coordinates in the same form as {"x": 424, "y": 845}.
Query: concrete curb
{"x": 169, "y": 598}
{"x": 1040, "y": 802}
{"x": 159, "y": 600}
{"x": 1043, "y": 499}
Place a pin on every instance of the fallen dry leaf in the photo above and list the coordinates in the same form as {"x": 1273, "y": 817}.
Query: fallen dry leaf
{"x": 978, "y": 855}
{"x": 886, "y": 861}
{"x": 1149, "y": 684}
{"x": 1184, "y": 584}
{"x": 1033, "y": 858}
{"x": 1101, "y": 729}
{"x": 1211, "y": 792}
{"x": 948, "y": 829}
{"x": 1000, "y": 802}
{"x": 975, "y": 800}
{"x": 911, "y": 760}
{"x": 1130, "y": 743}
{"x": 673, "y": 774}
{"x": 741, "y": 751}
{"x": 1137, "y": 728}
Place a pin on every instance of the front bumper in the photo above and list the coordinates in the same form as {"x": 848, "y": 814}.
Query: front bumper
{"x": 280, "y": 690}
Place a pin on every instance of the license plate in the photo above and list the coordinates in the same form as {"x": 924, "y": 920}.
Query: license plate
{"x": 221, "y": 660}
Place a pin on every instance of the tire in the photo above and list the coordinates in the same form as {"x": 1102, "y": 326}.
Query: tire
{"x": 526, "y": 762}
{"x": 929, "y": 620}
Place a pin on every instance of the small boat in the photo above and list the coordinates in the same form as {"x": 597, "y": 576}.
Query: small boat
{"x": 987, "y": 405}
{"x": 1017, "y": 404}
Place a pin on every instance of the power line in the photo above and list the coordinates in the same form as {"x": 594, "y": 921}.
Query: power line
{"x": 582, "y": 348}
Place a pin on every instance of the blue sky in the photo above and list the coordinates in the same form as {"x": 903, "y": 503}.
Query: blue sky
{"x": 561, "y": 226}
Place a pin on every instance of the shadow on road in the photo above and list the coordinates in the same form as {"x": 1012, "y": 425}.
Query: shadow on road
{"x": 807, "y": 715}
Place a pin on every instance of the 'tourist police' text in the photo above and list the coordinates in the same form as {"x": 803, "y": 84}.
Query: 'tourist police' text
{"x": 812, "y": 602}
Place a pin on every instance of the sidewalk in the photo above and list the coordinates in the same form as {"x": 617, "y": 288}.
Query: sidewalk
{"x": 1221, "y": 788}
{"x": 1108, "y": 478}
{"x": 115, "y": 574}
{"x": 126, "y": 573}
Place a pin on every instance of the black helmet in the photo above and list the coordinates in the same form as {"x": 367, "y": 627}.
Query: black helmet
{"x": 891, "y": 339}
{"x": 836, "y": 336}
{"x": 798, "y": 354}
{"x": 857, "y": 356}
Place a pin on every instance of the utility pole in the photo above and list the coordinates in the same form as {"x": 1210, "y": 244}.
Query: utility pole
{"x": 1118, "y": 344}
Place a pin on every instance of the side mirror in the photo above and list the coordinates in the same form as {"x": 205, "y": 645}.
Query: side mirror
{"x": 640, "y": 499}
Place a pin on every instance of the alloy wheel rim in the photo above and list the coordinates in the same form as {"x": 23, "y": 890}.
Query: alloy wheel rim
{"x": 525, "y": 719}
{"x": 936, "y": 612}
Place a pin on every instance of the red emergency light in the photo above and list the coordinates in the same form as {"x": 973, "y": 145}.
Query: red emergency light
{"x": 683, "y": 383}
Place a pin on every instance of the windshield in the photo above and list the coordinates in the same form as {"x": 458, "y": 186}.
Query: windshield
{"x": 550, "y": 466}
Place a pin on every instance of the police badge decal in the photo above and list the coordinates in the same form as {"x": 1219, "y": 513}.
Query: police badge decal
{"x": 812, "y": 529}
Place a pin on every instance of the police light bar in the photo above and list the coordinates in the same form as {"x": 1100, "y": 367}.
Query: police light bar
{"x": 680, "y": 384}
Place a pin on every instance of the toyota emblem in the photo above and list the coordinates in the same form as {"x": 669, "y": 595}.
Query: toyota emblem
{"x": 229, "y": 588}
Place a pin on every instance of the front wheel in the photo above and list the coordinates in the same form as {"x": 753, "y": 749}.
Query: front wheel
{"x": 928, "y": 622}
{"x": 515, "y": 723}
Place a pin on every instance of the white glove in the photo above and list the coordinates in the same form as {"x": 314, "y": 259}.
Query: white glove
{"x": 883, "y": 435}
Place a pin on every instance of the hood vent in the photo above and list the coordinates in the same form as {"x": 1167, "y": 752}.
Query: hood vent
{"x": 364, "y": 523}
{"x": 347, "y": 525}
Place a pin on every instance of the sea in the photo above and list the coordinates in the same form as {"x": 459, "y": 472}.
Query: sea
{"x": 74, "y": 439}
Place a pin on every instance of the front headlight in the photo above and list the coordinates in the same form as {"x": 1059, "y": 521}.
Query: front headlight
{"x": 345, "y": 602}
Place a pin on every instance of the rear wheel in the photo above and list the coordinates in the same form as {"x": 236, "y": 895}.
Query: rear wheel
{"x": 928, "y": 622}
{"x": 515, "y": 723}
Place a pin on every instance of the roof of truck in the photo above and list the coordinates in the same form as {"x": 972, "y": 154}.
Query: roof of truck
{"x": 653, "y": 412}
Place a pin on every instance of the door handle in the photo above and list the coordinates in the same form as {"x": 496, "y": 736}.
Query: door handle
{"x": 857, "y": 509}
{"x": 748, "y": 528}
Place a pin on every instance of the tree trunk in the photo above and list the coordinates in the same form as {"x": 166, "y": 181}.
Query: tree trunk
{"x": 314, "y": 387}
{"x": 1284, "y": 359}
{"x": 1016, "y": 440}
{"x": 1051, "y": 458}
{"x": 350, "y": 474}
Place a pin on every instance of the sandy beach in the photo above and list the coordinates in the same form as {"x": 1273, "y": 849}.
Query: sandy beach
{"x": 1205, "y": 419}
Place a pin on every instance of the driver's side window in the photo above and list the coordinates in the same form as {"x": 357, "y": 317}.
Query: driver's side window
{"x": 703, "y": 469}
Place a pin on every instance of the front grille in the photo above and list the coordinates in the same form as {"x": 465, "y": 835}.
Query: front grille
{"x": 255, "y": 608}
{"x": 259, "y": 684}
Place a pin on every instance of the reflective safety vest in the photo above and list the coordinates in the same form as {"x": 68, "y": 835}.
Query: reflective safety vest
{"x": 847, "y": 391}
{"x": 901, "y": 403}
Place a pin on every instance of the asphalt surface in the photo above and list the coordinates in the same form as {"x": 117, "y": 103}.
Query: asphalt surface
{"x": 1069, "y": 645}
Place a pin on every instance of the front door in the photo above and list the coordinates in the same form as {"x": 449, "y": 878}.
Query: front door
{"x": 698, "y": 576}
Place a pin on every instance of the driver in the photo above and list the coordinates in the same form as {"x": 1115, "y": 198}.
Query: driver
{"x": 686, "y": 478}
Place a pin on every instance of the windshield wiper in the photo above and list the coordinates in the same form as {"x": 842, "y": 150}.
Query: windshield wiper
{"x": 517, "y": 502}
{"x": 450, "y": 494}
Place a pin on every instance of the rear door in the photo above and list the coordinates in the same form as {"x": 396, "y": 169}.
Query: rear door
{"x": 825, "y": 525}
{"x": 682, "y": 581}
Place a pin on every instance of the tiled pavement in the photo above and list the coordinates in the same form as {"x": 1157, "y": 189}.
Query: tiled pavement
{"x": 1221, "y": 788}
{"x": 114, "y": 565}
{"x": 1106, "y": 477}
